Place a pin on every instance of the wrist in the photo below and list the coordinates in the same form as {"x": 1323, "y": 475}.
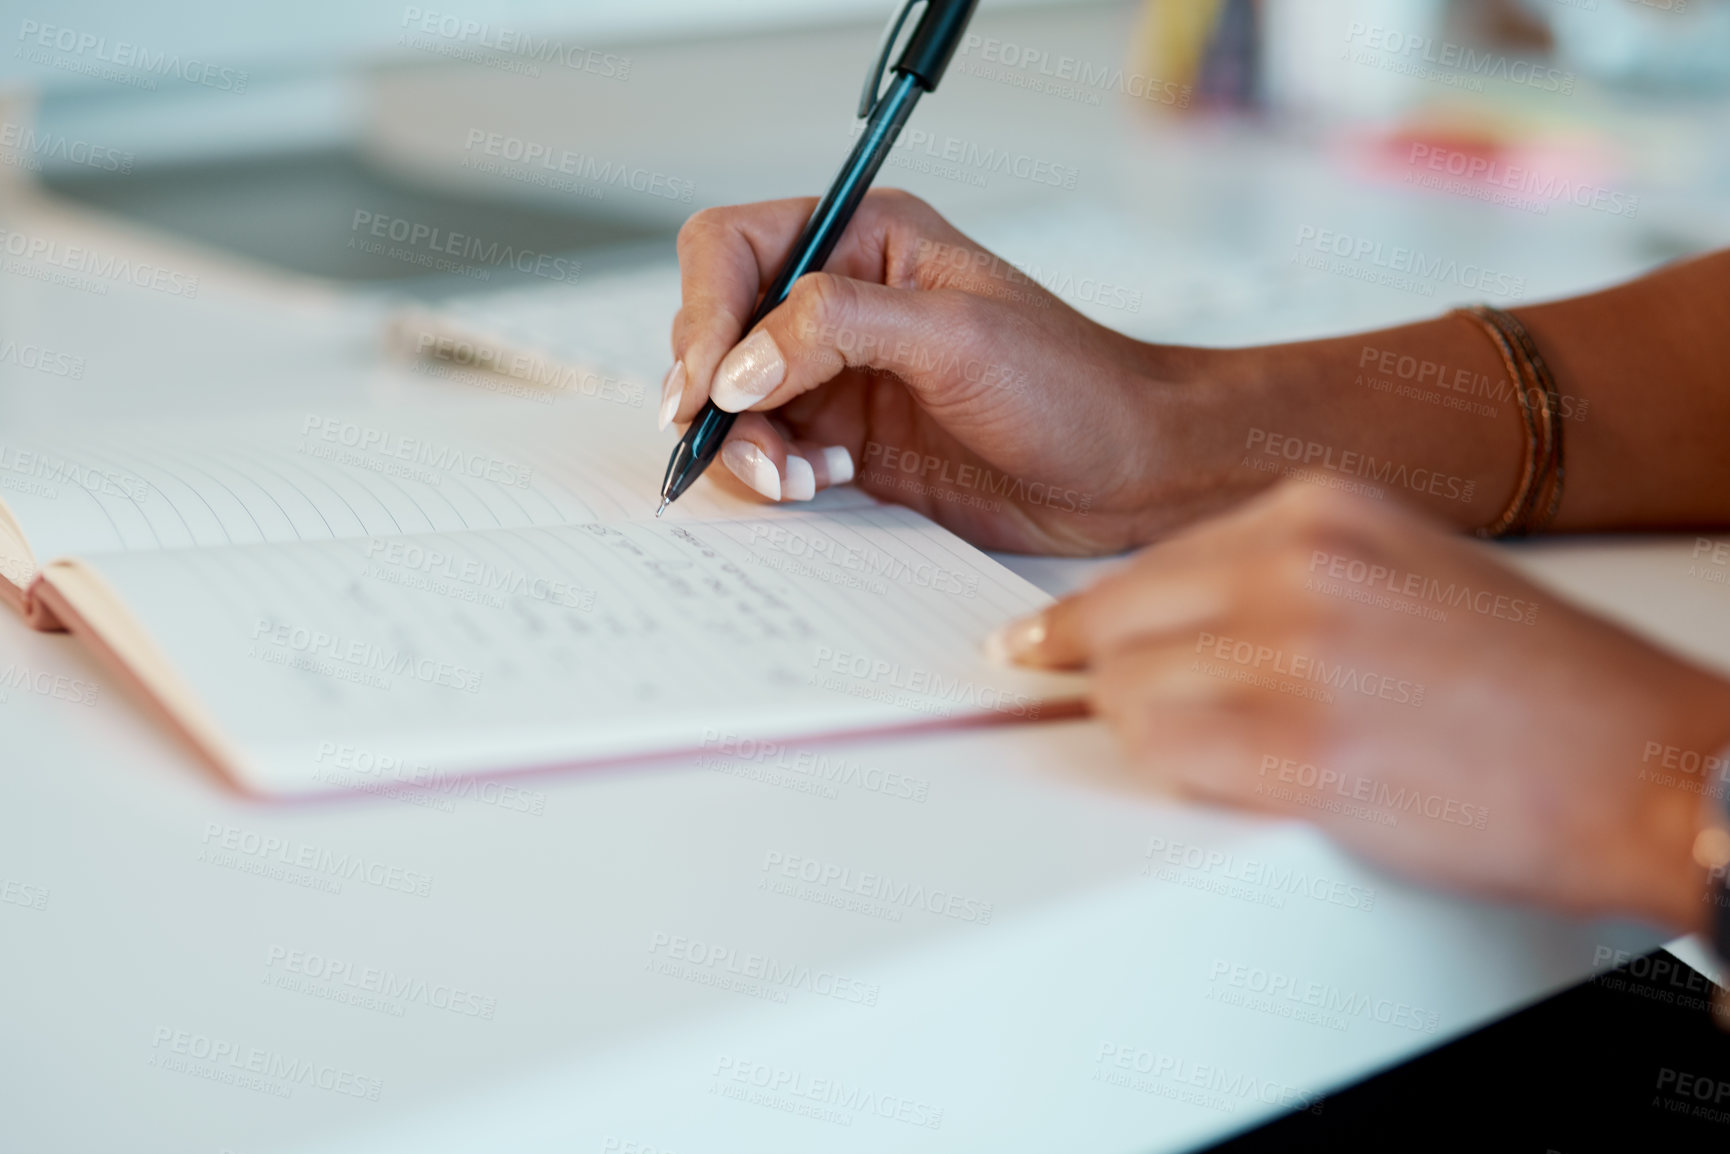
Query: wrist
{"x": 1202, "y": 415}
{"x": 1419, "y": 415}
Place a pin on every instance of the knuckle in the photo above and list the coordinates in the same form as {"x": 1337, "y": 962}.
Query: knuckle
{"x": 1303, "y": 503}
{"x": 820, "y": 302}
{"x": 700, "y": 224}
{"x": 918, "y": 242}
{"x": 1314, "y": 517}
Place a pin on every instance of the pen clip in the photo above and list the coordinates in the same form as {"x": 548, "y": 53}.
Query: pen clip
{"x": 868, "y": 97}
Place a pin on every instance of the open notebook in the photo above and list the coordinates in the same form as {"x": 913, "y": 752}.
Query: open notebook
{"x": 313, "y": 598}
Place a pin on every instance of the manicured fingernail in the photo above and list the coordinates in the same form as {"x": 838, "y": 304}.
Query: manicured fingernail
{"x": 672, "y": 390}
{"x": 748, "y": 374}
{"x": 1016, "y": 640}
{"x": 801, "y": 481}
{"x": 840, "y": 463}
{"x": 752, "y": 466}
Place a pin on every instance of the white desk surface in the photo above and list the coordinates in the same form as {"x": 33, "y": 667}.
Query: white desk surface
{"x": 552, "y": 919}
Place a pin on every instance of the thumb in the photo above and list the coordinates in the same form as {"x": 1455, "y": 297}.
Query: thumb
{"x": 829, "y": 323}
{"x": 1052, "y": 638}
{"x": 1158, "y": 599}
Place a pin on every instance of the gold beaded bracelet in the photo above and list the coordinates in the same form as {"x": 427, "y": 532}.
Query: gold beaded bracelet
{"x": 1539, "y": 491}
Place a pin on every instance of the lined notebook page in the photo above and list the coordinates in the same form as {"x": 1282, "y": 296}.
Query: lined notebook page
{"x": 303, "y": 476}
{"x": 501, "y": 649}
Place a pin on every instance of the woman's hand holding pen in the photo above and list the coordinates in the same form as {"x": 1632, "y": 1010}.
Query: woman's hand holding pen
{"x": 936, "y": 375}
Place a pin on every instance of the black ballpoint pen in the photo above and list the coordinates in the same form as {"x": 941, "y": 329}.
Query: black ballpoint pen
{"x": 932, "y": 42}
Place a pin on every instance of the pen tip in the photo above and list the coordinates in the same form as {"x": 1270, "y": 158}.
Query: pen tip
{"x": 663, "y": 507}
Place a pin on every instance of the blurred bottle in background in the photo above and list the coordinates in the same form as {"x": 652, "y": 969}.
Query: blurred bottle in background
{"x": 1362, "y": 61}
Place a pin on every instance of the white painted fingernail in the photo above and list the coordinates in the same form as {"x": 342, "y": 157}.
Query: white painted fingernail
{"x": 1007, "y": 644}
{"x": 840, "y": 464}
{"x": 801, "y": 481}
{"x": 748, "y": 374}
{"x": 672, "y": 391}
{"x": 752, "y": 466}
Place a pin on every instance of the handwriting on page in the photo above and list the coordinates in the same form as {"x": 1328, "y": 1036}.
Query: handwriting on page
{"x": 482, "y": 650}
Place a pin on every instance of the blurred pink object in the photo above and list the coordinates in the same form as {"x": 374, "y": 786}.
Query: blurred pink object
{"x": 1488, "y": 164}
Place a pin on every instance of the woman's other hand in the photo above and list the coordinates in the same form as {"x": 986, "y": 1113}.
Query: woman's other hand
{"x": 1337, "y": 658}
